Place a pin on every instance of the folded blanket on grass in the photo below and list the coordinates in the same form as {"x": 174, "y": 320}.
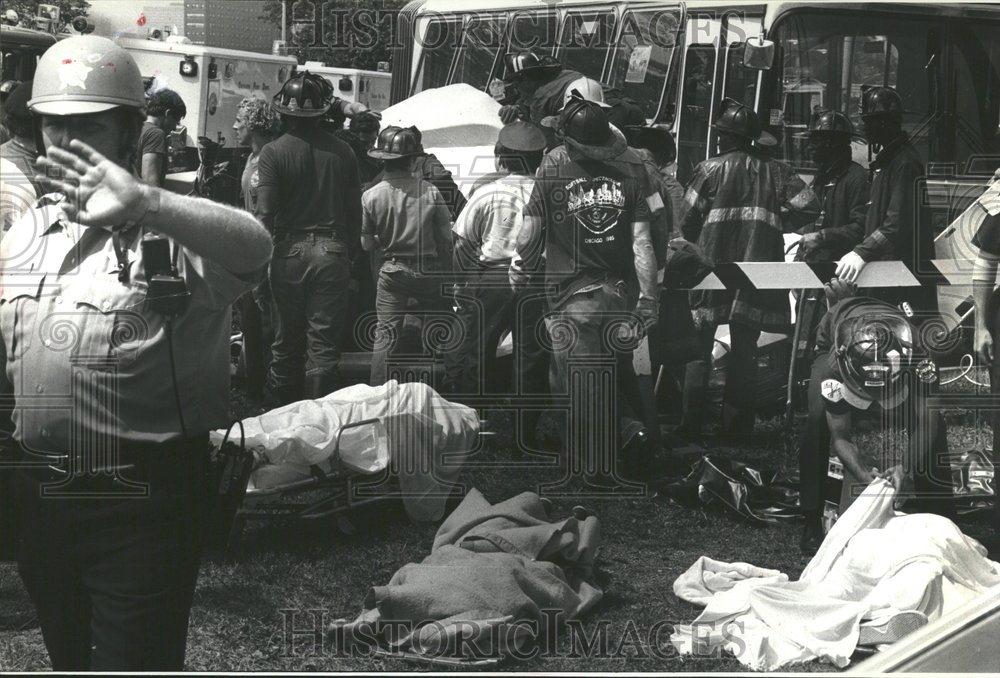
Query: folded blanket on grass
{"x": 495, "y": 577}
{"x": 873, "y": 564}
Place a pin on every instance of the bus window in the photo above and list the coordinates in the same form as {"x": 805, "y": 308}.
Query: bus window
{"x": 585, "y": 41}
{"x": 477, "y": 57}
{"x": 532, "y": 30}
{"x": 976, "y": 87}
{"x": 642, "y": 57}
{"x": 696, "y": 105}
{"x": 741, "y": 83}
{"x": 828, "y": 59}
{"x": 437, "y": 51}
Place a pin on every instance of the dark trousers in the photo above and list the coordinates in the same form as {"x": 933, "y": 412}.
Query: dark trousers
{"x": 995, "y": 416}
{"x": 255, "y": 311}
{"x": 927, "y": 450}
{"x": 488, "y": 307}
{"x": 112, "y": 578}
{"x": 738, "y": 408}
{"x": 310, "y": 277}
{"x": 398, "y": 283}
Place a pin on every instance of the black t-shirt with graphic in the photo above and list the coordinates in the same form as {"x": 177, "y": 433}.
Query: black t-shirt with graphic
{"x": 588, "y": 208}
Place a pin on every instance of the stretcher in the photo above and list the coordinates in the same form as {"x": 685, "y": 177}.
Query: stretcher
{"x": 325, "y": 459}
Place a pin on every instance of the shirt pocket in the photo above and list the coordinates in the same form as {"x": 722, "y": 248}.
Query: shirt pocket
{"x": 19, "y": 301}
{"x": 112, "y": 328}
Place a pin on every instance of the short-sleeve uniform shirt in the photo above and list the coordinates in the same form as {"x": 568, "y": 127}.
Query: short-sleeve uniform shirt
{"x": 86, "y": 354}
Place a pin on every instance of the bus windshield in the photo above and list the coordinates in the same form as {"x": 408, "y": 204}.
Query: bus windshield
{"x": 643, "y": 56}
{"x": 828, "y": 58}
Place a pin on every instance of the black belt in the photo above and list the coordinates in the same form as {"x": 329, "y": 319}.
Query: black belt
{"x": 136, "y": 460}
{"x": 324, "y": 233}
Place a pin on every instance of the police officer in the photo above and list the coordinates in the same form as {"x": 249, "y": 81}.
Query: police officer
{"x": 117, "y": 382}
{"x": 310, "y": 199}
{"x": 542, "y": 86}
{"x": 737, "y": 205}
{"x": 868, "y": 359}
{"x": 894, "y": 230}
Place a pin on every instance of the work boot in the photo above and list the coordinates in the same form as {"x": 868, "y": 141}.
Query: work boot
{"x": 812, "y": 535}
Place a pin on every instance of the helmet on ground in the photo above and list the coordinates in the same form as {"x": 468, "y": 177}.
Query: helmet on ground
{"x": 880, "y": 101}
{"x": 85, "y": 74}
{"x": 872, "y": 351}
{"x": 304, "y": 95}
{"x": 518, "y": 64}
{"x": 396, "y": 142}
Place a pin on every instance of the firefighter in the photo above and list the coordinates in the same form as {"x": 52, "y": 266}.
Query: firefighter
{"x": 840, "y": 184}
{"x": 867, "y": 360}
{"x": 115, "y": 485}
{"x": 737, "y": 206}
{"x": 360, "y": 135}
{"x": 894, "y": 230}
{"x": 310, "y": 200}
{"x": 592, "y": 220}
{"x": 407, "y": 220}
{"x": 542, "y": 87}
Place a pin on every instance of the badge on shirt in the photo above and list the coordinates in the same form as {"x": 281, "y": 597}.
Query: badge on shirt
{"x": 832, "y": 390}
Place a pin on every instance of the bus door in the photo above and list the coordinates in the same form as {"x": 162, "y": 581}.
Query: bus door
{"x": 698, "y": 94}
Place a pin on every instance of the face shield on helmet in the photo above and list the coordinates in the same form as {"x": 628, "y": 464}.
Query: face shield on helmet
{"x": 873, "y": 353}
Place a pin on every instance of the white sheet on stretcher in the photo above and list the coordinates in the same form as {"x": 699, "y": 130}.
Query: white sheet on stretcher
{"x": 426, "y": 436}
{"x": 872, "y": 564}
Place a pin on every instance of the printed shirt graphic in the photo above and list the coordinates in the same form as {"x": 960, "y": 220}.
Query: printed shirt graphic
{"x": 493, "y": 217}
{"x": 588, "y": 208}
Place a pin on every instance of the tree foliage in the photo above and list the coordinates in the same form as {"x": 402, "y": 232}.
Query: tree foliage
{"x": 346, "y": 33}
{"x": 28, "y": 9}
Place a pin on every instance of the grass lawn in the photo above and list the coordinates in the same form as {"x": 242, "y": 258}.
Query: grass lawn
{"x": 238, "y": 625}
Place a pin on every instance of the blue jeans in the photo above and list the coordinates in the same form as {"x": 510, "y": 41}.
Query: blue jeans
{"x": 310, "y": 276}
{"x": 586, "y": 347}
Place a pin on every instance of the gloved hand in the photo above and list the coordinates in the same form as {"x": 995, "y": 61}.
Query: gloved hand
{"x": 850, "y": 266}
{"x": 838, "y": 289}
{"x": 809, "y": 243}
{"x": 511, "y": 113}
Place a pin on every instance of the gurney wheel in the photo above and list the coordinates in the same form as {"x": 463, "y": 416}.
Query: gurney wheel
{"x": 345, "y": 526}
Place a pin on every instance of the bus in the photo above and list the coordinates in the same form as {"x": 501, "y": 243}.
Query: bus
{"x": 679, "y": 60}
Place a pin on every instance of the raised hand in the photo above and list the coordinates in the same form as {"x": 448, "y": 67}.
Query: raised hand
{"x": 98, "y": 191}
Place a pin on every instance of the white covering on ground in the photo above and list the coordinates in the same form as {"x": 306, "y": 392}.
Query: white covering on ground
{"x": 460, "y": 125}
{"x": 873, "y": 564}
{"x": 425, "y": 436}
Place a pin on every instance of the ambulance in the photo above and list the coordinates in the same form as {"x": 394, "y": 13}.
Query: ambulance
{"x": 370, "y": 88}
{"x": 212, "y": 82}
